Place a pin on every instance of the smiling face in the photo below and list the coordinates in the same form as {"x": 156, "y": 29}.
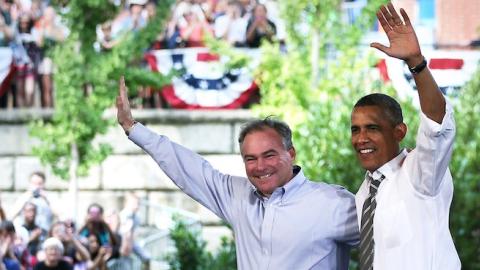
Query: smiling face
{"x": 267, "y": 163}
{"x": 374, "y": 138}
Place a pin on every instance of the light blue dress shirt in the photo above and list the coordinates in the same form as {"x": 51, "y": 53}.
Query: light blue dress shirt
{"x": 303, "y": 225}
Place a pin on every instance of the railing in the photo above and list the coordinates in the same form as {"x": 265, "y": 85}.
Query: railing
{"x": 153, "y": 237}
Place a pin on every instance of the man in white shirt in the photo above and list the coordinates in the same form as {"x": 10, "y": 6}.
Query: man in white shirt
{"x": 403, "y": 203}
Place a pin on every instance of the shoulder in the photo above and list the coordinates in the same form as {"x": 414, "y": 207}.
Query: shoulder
{"x": 329, "y": 191}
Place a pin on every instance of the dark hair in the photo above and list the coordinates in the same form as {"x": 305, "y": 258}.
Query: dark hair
{"x": 39, "y": 174}
{"x": 95, "y": 205}
{"x": 389, "y": 106}
{"x": 7, "y": 226}
{"x": 31, "y": 204}
{"x": 262, "y": 124}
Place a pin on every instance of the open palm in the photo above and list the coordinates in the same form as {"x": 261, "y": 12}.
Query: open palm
{"x": 403, "y": 40}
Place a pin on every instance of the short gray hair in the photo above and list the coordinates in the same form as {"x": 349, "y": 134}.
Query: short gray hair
{"x": 269, "y": 122}
{"x": 53, "y": 242}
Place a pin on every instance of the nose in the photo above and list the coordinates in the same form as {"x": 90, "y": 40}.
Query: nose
{"x": 362, "y": 136}
{"x": 260, "y": 164}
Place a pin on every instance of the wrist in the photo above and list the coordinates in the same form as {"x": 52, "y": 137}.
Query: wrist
{"x": 414, "y": 61}
{"x": 128, "y": 127}
{"x": 418, "y": 67}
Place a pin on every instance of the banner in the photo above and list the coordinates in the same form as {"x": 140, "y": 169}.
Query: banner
{"x": 451, "y": 70}
{"x": 204, "y": 81}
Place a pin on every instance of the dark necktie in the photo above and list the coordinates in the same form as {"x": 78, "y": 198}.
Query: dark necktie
{"x": 366, "y": 229}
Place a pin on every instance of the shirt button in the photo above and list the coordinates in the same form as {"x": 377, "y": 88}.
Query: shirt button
{"x": 265, "y": 251}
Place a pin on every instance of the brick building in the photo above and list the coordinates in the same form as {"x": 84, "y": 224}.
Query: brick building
{"x": 452, "y": 23}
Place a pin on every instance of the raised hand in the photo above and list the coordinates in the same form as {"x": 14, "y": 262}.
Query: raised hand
{"x": 124, "y": 113}
{"x": 401, "y": 35}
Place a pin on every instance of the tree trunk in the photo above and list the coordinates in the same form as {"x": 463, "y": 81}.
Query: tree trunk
{"x": 73, "y": 185}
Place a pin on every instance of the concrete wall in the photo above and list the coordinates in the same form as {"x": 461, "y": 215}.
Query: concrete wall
{"x": 210, "y": 133}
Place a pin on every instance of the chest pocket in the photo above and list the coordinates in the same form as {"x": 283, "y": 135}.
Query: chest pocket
{"x": 393, "y": 225}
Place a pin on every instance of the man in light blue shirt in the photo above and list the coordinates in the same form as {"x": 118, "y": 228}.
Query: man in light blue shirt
{"x": 281, "y": 220}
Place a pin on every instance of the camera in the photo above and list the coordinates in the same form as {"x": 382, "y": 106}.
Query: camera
{"x": 36, "y": 193}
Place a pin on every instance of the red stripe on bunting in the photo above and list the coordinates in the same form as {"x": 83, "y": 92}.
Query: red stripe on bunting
{"x": 445, "y": 63}
{"x": 168, "y": 94}
{"x": 207, "y": 57}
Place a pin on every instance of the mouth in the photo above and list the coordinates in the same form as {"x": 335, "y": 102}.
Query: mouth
{"x": 264, "y": 177}
{"x": 365, "y": 151}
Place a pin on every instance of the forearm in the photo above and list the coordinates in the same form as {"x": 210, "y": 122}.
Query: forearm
{"x": 82, "y": 252}
{"x": 188, "y": 170}
{"x": 432, "y": 102}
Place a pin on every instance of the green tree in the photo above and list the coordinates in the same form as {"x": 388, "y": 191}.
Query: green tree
{"x": 86, "y": 85}
{"x": 465, "y": 168}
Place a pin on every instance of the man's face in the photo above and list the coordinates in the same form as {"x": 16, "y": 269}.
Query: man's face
{"x": 29, "y": 213}
{"x": 374, "y": 138}
{"x": 37, "y": 182}
{"x": 52, "y": 255}
{"x": 267, "y": 163}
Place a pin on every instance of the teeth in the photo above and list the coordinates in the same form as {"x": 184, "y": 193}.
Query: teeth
{"x": 265, "y": 176}
{"x": 365, "y": 151}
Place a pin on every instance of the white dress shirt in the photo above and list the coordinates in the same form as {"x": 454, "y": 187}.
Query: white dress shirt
{"x": 413, "y": 202}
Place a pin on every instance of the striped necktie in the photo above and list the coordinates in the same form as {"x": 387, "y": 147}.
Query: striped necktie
{"x": 366, "y": 230}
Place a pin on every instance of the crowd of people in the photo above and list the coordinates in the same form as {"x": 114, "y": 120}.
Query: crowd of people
{"x": 33, "y": 236}
{"x": 31, "y": 28}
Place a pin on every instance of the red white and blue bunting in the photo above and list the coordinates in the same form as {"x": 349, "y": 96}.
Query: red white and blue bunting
{"x": 204, "y": 82}
{"x": 451, "y": 70}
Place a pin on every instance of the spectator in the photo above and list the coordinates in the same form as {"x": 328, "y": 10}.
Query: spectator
{"x": 35, "y": 233}
{"x": 53, "y": 249}
{"x": 106, "y": 40}
{"x": 5, "y": 11}
{"x": 7, "y": 246}
{"x": 37, "y": 195}
{"x": 132, "y": 21}
{"x": 95, "y": 224}
{"x": 129, "y": 221}
{"x": 6, "y": 32}
{"x": 247, "y": 7}
{"x": 231, "y": 26}
{"x": 74, "y": 251}
{"x": 195, "y": 27}
{"x": 48, "y": 32}
{"x": 99, "y": 253}
{"x": 260, "y": 28}
{"x": 31, "y": 58}
{"x": 220, "y": 9}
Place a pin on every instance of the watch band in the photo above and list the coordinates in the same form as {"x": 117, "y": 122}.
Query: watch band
{"x": 418, "y": 68}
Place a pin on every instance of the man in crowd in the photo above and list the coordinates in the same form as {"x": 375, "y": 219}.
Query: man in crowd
{"x": 37, "y": 195}
{"x": 281, "y": 219}
{"x": 403, "y": 203}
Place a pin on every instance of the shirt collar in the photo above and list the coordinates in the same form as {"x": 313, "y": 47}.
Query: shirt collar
{"x": 389, "y": 168}
{"x": 289, "y": 188}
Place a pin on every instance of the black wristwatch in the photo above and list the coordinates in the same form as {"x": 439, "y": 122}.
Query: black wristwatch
{"x": 418, "y": 68}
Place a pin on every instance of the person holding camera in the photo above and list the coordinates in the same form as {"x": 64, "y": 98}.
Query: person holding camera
{"x": 37, "y": 195}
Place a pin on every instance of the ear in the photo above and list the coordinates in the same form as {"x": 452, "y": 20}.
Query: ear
{"x": 292, "y": 153}
{"x": 400, "y": 131}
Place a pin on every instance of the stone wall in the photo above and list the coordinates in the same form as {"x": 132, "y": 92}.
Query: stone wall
{"x": 213, "y": 134}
